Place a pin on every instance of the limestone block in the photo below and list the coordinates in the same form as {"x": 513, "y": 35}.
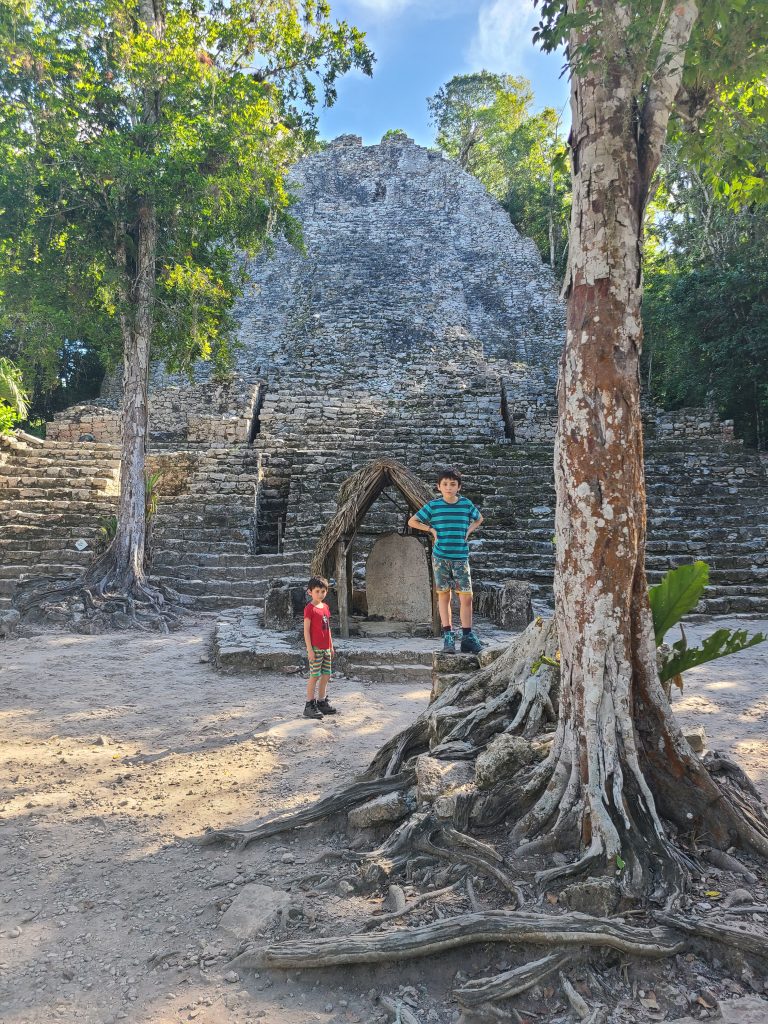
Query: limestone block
{"x": 502, "y": 759}
{"x": 254, "y": 910}
{"x": 599, "y": 896}
{"x": 696, "y": 737}
{"x": 284, "y": 604}
{"x": 507, "y": 605}
{"x": 9, "y": 620}
{"x": 435, "y": 778}
{"x": 389, "y": 807}
{"x": 397, "y": 580}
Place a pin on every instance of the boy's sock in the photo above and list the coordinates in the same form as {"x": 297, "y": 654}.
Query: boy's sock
{"x": 447, "y": 629}
{"x": 466, "y": 630}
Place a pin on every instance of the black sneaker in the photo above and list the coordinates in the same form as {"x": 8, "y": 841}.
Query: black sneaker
{"x": 311, "y": 710}
{"x": 325, "y": 708}
{"x": 470, "y": 644}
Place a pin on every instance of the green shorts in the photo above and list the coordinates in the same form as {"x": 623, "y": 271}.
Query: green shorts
{"x": 452, "y": 573}
{"x": 320, "y": 665}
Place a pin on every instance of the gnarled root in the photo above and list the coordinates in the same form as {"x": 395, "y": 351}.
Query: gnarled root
{"x": 511, "y": 983}
{"x": 92, "y": 602}
{"x": 333, "y": 803}
{"x": 573, "y": 931}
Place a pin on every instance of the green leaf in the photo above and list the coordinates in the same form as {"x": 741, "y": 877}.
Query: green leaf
{"x": 720, "y": 644}
{"x": 678, "y": 592}
{"x": 620, "y": 864}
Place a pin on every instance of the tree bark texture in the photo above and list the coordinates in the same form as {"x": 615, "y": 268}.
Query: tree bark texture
{"x": 616, "y": 740}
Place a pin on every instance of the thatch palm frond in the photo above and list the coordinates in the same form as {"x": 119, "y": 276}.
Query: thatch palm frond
{"x": 356, "y": 495}
{"x": 11, "y": 388}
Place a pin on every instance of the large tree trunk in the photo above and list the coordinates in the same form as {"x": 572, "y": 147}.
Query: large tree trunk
{"x": 618, "y": 761}
{"x": 121, "y": 568}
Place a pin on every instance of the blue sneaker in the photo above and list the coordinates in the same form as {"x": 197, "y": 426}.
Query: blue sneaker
{"x": 470, "y": 644}
{"x": 449, "y": 643}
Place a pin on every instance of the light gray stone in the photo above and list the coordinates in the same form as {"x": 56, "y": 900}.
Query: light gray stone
{"x": 502, "y": 759}
{"x": 397, "y": 579}
{"x": 435, "y": 777}
{"x": 697, "y": 738}
{"x": 254, "y": 910}
{"x": 389, "y": 807}
{"x": 9, "y": 621}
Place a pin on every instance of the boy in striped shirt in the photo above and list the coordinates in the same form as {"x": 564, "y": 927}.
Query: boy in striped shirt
{"x": 451, "y": 519}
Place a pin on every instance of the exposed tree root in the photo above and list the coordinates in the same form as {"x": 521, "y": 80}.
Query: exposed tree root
{"x": 505, "y": 696}
{"x": 573, "y": 931}
{"x": 90, "y": 608}
{"x": 408, "y": 908}
{"x": 400, "y": 1010}
{"x": 511, "y": 983}
{"x": 335, "y": 802}
{"x": 739, "y": 937}
{"x": 604, "y": 826}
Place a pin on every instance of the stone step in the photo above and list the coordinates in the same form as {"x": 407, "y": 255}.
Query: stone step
{"x": 214, "y": 588}
{"x": 46, "y": 566}
{"x": 417, "y": 674}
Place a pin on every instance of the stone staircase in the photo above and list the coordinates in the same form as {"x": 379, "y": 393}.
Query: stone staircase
{"x": 705, "y": 500}
{"x": 52, "y": 495}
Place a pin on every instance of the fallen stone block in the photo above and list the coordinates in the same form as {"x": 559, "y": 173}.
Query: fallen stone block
{"x": 696, "y": 737}
{"x": 502, "y": 759}
{"x": 254, "y": 910}
{"x": 435, "y": 778}
{"x": 389, "y": 807}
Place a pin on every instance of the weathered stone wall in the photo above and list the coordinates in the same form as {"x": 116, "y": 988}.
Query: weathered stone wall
{"x": 102, "y": 423}
{"x": 697, "y": 423}
{"x": 199, "y": 413}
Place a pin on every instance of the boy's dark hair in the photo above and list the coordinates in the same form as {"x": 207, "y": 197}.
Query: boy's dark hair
{"x": 449, "y": 473}
{"x": 318, "y": 581}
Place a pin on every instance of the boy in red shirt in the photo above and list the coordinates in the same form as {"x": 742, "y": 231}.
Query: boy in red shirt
{"x": 317, "y": 637}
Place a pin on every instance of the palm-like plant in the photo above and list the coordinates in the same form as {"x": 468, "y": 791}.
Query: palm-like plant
{"x": 12, "y": 389}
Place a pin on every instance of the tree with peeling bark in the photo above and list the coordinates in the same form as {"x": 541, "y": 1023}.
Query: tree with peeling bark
{"x": 146, "y": 145}
{"x": 619, "y": 764}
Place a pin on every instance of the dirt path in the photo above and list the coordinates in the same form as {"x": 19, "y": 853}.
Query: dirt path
{"x": 118, "y": 750}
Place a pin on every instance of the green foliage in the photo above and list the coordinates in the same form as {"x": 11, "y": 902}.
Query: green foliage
{"x": 107, "y": 533}
{"x": 12, "y": 392}
{"x": 7, "y": 418}
{"x": 706, "y": 300}
{"x": 151, "y": 493}
{"x": 718, "y": 645}
{"x": 394, "y": 133}
{"x": 484, "y": 121}
{"x": 199, "y": 115}
{"x": 678, "y": 593}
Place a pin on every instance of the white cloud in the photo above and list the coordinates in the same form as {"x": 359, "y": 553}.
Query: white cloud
{"x": 391, "y": 8}
{"x": 503, "y": 36}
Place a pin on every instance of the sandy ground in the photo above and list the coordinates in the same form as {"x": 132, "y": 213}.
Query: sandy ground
{"x": 118, "y": 751}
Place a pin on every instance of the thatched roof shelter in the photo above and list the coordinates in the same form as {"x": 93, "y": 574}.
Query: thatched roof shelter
{"x": 356, "y": 495}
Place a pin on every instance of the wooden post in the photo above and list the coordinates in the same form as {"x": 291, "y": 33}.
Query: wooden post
{"x": 342, "y": 587}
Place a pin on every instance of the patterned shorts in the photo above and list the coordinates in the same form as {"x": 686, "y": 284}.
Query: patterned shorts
{"x": 452, "y": 572}
{"x": 320, "y": 665}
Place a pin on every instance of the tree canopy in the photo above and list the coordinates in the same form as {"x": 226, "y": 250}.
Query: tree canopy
{"x": 486, "y": 122}
{"x": 204, "y": 117}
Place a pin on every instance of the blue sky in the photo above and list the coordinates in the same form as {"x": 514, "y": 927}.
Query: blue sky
{"x": 419, "y": 45}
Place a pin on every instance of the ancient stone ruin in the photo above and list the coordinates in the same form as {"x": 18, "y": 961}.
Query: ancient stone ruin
{"x": 418, "y": 325}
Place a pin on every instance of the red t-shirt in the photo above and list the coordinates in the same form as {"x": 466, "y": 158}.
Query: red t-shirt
{"x": 319, "y": 616}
